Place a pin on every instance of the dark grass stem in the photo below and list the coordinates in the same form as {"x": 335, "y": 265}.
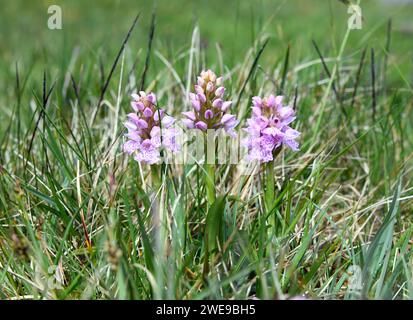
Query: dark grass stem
{"x": 251, "y": 71}
{"x": 148, "y": 54}
{"x": 358, "y": 76}
{"x": 112, "y": 70}
{"x": 285, "y": 70}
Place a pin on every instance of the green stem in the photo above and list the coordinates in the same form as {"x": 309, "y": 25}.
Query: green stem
{"x": 156, "y": 177}
{"x": 210, "y": 182}
{"x": 269, "y": 186}
{"x": 269, "y": 195}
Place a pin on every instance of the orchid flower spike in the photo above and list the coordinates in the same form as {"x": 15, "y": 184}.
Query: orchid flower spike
{"x": 210, "y": 110}
{"x": 144, "y": 130}
{"x": 269, "y": 128}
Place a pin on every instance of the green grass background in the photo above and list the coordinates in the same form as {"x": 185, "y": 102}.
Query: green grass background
{"x": 234, "y": 25}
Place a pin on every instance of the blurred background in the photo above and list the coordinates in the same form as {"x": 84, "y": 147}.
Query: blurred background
{"x": 97, "y": 28}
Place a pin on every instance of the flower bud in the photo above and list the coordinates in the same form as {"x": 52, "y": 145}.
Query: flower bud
{"x": 130, "y": 125}
{"x": 208, "y": 114}
{"x": 271, "y": 101}
{"x": 201, "y": 82}
{"x": 279, "y": 100}
{"x": 147, "y": 112}
{"x": 151, "y": 98}
{"x": 133, "y": 116}
{"x": 142, "y": 124}
{"x": 226, "y": 105}
{"x": 217, "y": 103}
{"x": 196, "y": 104}
{"x": 220, "y": 92}
{"x": 256, "y": 111}
{"x": 189, "y": 115}
{"x": 198, "y": 89}
{"x": 158, "y": 113}
{"x": 188, "y": 123}
{"x": 257, "y": 102}
{"x": 201, "y": 97}
{"x": 210, "y": 86}
{"x": 135, "y": 96}
{"x": 201, "y": 125}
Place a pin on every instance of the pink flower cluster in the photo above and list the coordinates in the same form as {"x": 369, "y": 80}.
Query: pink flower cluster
{"x": 149, "y": 130}
{"x": 210, "y": 110}
{"x": 268, "y": 128}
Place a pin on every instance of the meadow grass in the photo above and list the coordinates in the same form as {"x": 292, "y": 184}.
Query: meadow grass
{"x": 81, "y": 220}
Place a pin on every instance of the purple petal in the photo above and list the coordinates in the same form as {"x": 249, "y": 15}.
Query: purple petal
{"x": 201, "y": 97}
{"x": 220, "y": 92}
{"x": 158, "y": 113}
{"x": 201, "y": 81}
{"x": 279, "y": 100}
{"x": 291, "y": 133}
{"x": 188, "y": 123}
{"x": 257, "y": 102}
{"x": 208, "y": 114}
{"x": 286, "y": 112}
{"x": 256, "y": 111}
{"x": 189, "y": 114}
{"x": 217, "y": 103}
{"x": 196, "y": 104}
{"x": 198, "y": 89}
{"x": 261, "y": 122}
{"x": 271, "y": 101}
{"x": 210, "y": 87}
{"x": 133, "y": 116}
{"x": 227, "y": 118}
{"x": 226, "y": 105}
{"x": 170, "y": 141}
{"x": 147, "y": 153}
{"x": 272, "y": 131}
{"x": 147, "y": 112}
{"x": 201, "y": 125}
{"x": 151, "y": 98}
{"x": 292, "y": 144}
{"x": 155, "y": 131}
{"x": 130, "y": 146}
{"x": 134, "y": 135}
{"x": 137, "y": 106}
{"x": 140, "y": 106}
{"x": 142, "y": 124}
{"x": 167, "y": 121}
{"x": 229, "y": 121}
{"x": 130, "y": 125}
{"x": 135, "y": 96}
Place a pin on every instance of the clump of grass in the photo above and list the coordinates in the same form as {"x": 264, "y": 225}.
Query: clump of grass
{"x": 78, "y": 219}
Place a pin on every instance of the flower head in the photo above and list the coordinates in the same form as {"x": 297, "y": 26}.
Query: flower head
{"x": 144, "y": 130}
{"x": 210, "y": 110}
{"x": 268, "y": 128}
